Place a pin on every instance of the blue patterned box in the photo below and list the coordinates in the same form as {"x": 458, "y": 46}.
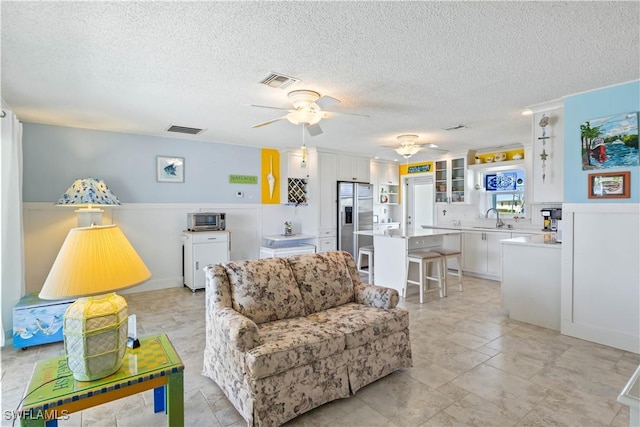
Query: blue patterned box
{"x": 37, "y": 321}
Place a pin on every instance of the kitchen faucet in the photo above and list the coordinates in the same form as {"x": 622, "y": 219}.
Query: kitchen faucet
{"x": 499, "y": 222}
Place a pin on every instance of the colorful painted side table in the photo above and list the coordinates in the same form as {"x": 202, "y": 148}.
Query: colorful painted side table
{"x": 53, "y": 393}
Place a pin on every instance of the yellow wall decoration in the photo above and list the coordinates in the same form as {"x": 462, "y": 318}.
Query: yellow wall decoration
{"x": 270, "y": 175}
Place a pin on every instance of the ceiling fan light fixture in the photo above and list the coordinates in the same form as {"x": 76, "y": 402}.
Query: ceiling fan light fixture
{"x": 407, "y": 145}
{"x": 407, "y": 151}
{"x": 307, "y": 116}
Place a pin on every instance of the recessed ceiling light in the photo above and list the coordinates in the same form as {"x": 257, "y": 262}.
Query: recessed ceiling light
{"x": 527, "y": 112}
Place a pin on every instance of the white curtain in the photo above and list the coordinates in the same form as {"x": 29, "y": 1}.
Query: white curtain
{"x": 12, "y": 249}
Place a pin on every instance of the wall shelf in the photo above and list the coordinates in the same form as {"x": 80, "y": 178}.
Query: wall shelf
{"x": 507, "y": 164}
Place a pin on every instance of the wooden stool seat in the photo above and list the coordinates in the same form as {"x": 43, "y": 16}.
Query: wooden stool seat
{"x": 424, "y": 259}
{"x": 446, "y": 254}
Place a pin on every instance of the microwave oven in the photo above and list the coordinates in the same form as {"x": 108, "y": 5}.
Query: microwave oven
{"x": 205, "y": 221}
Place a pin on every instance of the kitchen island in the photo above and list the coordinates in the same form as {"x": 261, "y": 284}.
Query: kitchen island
{"x": 392, "y": 247}
{"x": 531, "y": 280}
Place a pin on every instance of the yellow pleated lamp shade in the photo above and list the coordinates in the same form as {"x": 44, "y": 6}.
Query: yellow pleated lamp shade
{"x": 94, "y": 261}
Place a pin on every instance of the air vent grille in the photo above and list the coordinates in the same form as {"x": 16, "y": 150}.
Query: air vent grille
{"x": 278, "y": 81}
{"x": 184, "y": 129}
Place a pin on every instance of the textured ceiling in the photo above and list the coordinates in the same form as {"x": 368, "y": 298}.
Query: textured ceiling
{"x": 413, "y": 67}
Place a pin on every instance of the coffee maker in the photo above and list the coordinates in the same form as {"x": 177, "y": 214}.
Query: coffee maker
{"x": 550, "y": 218}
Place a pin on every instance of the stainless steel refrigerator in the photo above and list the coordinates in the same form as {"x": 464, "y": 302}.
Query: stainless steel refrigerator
{"x": 355, "y": 213}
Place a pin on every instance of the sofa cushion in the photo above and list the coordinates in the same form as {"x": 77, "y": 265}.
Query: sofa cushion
{"x": 264, "y": 290}
{"x": 285, "y": 344}
{"x": 323, "y": 279}
{"x": 362, "y": 324}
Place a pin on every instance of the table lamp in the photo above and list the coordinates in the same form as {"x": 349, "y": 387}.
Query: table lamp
{"x": 93, "y": 263}
{"x": 85, "y": 193}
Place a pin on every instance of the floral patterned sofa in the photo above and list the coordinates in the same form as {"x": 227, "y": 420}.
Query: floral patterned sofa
{"x": 285, "y": 335}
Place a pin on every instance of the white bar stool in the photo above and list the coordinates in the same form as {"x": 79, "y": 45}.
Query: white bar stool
{"x": 424, "y": 260}
{"x": 368, "y": 252}
{"x": 446, "y": 254}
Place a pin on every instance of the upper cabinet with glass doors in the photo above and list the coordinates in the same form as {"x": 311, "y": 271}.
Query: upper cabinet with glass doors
{"x": 450, "y": 179}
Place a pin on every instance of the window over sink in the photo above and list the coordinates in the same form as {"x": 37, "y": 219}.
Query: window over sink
{"x": 503, "y": 190}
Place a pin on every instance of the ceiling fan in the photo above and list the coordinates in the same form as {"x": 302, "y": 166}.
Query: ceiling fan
{"x": 308, "y": 110}
{"x": 409, "y": 146}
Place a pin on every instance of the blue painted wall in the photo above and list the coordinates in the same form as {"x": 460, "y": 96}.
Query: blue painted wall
{"x": 54, "y": 156}
{"x": 579, "y": 108}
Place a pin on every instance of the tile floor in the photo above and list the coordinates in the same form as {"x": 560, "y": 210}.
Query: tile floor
{"x": 472, "y": 366}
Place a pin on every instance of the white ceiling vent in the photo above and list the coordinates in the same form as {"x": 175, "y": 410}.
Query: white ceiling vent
{"x": 184, "y": 129}
{"x": 278, "y": 81}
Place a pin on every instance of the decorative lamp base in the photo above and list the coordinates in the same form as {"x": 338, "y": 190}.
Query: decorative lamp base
{"x": 95, "y": 336}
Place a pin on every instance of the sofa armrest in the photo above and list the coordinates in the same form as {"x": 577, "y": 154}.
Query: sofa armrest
{"x": 377, "y": 296}
{"x": 233, "y": 328}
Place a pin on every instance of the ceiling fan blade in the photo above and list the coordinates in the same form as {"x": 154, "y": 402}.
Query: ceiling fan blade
{"x": 326, "y": 101}
{"x": 433, "y": 149}
{"x": 314, "y": 129}
{"x": 268, "y": 122}
{"x": 267, "y": 106}
{"x": 349, "y": 114}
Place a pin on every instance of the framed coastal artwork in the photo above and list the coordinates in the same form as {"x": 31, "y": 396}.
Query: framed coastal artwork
{"x": 612, "y": 185}
{"x": 610, "y": 142}
{"x": 169, "y": 169}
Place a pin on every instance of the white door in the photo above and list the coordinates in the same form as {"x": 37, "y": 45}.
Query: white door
{"x": 419, "y": 195}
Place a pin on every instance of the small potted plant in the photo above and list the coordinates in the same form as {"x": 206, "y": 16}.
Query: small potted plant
{"x": 288, "y": 230}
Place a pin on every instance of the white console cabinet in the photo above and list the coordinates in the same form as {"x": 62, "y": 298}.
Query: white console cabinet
{"x": 200, "y": 249}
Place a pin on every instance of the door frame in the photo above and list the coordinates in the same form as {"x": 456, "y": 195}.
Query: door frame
{"x": 405, "y": 194}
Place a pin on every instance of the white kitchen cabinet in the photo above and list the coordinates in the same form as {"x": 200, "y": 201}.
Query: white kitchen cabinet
{"x": 353, "y": 168}
{"x": 388, "y": 174}
{"x": 328, "y": 200}
{"x": 482, "y": 254}
{"x": 326, "y": 244}
{"x": 450, "y": 180}
{"x": 384, "y": 177}
{"x": 201, "y": 249}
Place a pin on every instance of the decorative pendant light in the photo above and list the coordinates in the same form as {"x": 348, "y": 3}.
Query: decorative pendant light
{"x": 407, "y": 145}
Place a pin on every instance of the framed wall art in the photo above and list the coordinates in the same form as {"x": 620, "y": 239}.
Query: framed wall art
{"x": 169, "y": 169}
{"x": 609, "y": 185}
{"x": 610, "y": 142}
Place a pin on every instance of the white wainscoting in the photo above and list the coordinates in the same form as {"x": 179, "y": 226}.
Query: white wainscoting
{"x": 601, "y": 274}
{"x": 155, "y": 230}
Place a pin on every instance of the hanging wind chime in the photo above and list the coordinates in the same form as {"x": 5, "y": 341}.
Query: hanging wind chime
{"x": 544, "y": 121}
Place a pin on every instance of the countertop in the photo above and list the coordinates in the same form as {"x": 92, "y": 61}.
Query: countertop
{"x": 489, "y": 229}
{"x": 407, "y": 234}
{"x": 547, "y": 240}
